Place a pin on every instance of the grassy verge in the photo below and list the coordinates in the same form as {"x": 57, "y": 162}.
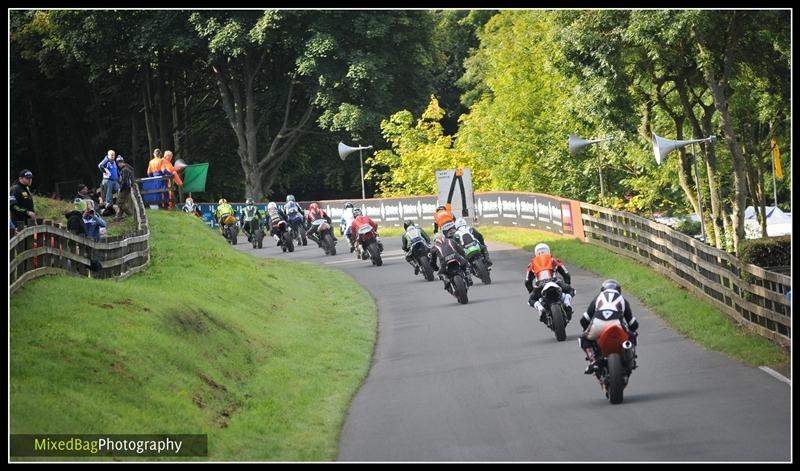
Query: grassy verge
{"x": 262, "y": 355}
{"x": 683, "y": 311}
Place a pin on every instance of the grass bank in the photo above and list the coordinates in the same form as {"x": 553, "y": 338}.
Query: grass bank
{"x": 262, "y": 355}
{"x": 683, "y": 311}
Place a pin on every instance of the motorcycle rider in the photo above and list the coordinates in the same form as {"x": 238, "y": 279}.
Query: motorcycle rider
{"x": 275, "y": 216}
{"x": 441, "y": 249}
{"x": 543, "y": 261}
{"x": 292, "y": 210}
{"x": 607, "y": 307}
{"x": 222, "y": 213}
{"x": 440, "y": 217}
{"x": 249, "y": 214}
{"x": 413, "y": 235}
{"x": 190, "y": 207}
{"x": 345, "y": 221}
{"x": 352, "y": 231}
{"x": 461, "y": 226}
{"x": 314, "y": 213}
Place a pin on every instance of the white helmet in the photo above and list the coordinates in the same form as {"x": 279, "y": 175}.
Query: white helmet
{"x": 447, "y": 226}
{"x": 272, "y": 206}
{"x": 460, "y": 222}
{"x": 540, "y": 249}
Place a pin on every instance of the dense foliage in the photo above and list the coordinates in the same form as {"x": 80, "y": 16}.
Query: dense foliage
{"x": 265, "y": 96}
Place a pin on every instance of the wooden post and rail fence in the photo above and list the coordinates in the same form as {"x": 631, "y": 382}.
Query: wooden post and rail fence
{"x": 752, "y": 296}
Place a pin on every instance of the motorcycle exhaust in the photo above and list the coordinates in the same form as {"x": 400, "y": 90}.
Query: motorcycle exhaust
{"x": 627, "y": 351}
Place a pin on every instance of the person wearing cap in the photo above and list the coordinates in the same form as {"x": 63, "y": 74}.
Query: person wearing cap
{"x": 110, "y": 183}
{"x": 75, "y": 217}
{"x": 22, "y": 208}
{"x": 125, "y": 184}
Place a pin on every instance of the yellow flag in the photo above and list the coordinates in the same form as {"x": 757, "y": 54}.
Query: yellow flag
{"x": 776, "y": 159}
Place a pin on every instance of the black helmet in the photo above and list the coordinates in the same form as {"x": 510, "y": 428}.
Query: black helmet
{"x": 441, "y": 207}
{"x": 356, "y": 211}
{"x": 611, "y": 284}
{"x": 348, "y": 205}
{"x": 407, "y": 222}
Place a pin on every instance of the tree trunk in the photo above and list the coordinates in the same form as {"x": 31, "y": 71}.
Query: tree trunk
{"x": 239, "y": 103}
{"x": 704, "y": 129}
{"x": 149, "y": 119}
{"x": 176, "y": 134}
{"x": 134, "y": 159}
{"x": 164, "y": 121}
{"x": 718, "y": 89}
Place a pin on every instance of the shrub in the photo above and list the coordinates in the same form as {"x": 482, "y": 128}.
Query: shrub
{"x": 767, "y": 252}
{"x": 687, "y": 226}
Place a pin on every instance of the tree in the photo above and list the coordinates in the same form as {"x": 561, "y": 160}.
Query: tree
{"x": 280, "y": 72}
{"x": 418, "y": 151}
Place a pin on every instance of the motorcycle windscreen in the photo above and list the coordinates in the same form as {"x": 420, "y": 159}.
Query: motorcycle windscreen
{"x": 611, "y": 339}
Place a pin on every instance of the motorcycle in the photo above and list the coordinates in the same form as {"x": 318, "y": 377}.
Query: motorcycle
{"x": 455, "y": 279}
{"x": 419, "y": 258}
{"x": 230, "y": 229}
{"x": 284, "y": 236}
{"x": 615, "y": 361}
{"x": 477, "y": 262}
{"x": 298, "y": 228}
{"x": 344, "y": 223}
{"x": 556, "y": 316}
{"x": 367, "y": 245}
{"x": 325, "y": 237}
{"x": 256, "y": 233}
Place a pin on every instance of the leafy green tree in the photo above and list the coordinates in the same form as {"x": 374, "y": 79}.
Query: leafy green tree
{"x": 520, "y": 117}
{"x": 281, "y": 72}
{"x": 418, "y": 151}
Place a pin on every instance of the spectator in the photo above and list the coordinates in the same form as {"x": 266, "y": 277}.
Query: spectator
{"x": 110, "y": 183}
{"x": 125, "y": 184}
{"x": 93, "y": 223}
{"x": 83, "y": 192}
{"x": 107, "y": 210}
{"x": 153, "y": 170}
{"x": 12, "y": 229}
{"x": 75, "y": 217}
{"x": 22, "y": 209}
{"x": 168, "y": 169}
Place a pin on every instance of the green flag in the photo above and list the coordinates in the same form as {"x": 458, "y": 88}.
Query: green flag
{"x": 194, "y": 178}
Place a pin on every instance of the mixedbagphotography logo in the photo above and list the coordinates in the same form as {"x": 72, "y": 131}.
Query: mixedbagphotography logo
{"x": 30, "y": 445}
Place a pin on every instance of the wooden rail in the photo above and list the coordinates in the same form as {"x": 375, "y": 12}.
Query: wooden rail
{"x": 752, "y": 296}
{"x": 46, "y": 248}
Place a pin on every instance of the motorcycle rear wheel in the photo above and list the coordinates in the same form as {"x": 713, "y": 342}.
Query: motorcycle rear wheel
{"x": 482, "y": 271}
{"x": 616, "y": 378}
{"x": 327, "y": 241}
{"x": 460, "y": 289}
{"x": 425, "y": 264}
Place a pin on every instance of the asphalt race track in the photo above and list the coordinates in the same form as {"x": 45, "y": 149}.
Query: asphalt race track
{"x": 487, "y": 381}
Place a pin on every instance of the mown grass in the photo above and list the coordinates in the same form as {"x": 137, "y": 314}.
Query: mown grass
{"x": 262, "y": 355}
{"x": 683, "y": 311}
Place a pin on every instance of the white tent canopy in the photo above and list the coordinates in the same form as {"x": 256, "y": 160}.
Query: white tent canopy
{"x": 778, "y": 222}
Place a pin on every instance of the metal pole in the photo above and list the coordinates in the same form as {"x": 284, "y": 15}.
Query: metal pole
{"x": 774, "y": 185}
{"x": 699, "y": 196}
{"x": 363, "y": 194}
{"x": 600, "y": 172}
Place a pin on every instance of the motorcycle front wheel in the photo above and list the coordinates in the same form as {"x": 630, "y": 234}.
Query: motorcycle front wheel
{"x": 559, "y": 326}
